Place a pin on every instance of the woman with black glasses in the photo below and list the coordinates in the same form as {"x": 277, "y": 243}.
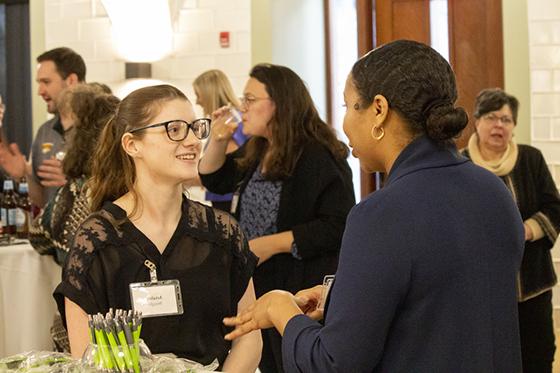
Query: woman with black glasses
{"x": 292, "y": 184}
{"x": 149, "y": 248}
{"x": 524, "y": 171}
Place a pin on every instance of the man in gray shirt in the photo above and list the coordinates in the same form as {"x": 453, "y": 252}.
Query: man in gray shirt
{"x": 57, "y": 70}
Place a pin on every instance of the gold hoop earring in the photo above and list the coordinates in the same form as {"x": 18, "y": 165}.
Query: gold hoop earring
{"x": 380, "y": 135}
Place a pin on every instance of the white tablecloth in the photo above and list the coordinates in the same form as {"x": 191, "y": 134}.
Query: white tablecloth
{"x": 27, "y": 307}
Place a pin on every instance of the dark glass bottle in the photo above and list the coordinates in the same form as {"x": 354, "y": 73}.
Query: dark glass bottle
{"x": 8, "y": 209}
{"x": 23, "y": 211}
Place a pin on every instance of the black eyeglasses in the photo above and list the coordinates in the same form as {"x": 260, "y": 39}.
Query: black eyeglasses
{"x": 493, "y": 118}
{"x": 250, "y": 100}
{"x": 178, "y": 130}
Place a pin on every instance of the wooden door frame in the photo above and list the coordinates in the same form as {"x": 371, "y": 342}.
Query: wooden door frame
{"x": 366, "y": 42}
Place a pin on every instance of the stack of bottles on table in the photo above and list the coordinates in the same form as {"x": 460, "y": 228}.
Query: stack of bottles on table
{"x": 15, "y": 210}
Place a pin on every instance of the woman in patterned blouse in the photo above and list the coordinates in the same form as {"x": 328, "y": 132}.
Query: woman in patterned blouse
{"x": 88, "y": 107}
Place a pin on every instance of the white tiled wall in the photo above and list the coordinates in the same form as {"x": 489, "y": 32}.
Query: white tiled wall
{"x": 84, "y": 26}
{"x": 544, "y": 49}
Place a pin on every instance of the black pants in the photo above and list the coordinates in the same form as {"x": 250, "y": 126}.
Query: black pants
{"x": 271, "y": 358}
{"x": 536, "y": 330}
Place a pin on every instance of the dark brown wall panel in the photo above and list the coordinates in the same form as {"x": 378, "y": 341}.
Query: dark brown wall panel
{"x": 476, "y": 51}
{"x": 364, "y": 11}
{"x": 403, "y": 19}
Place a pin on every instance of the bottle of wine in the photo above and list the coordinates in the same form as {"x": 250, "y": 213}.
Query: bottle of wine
{"x": 8, "y": 209}
{"x": 23, "y": 210}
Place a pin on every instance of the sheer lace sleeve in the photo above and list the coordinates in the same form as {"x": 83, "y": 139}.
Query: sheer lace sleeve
{"x": 244, "y": 261}
{"x": 81, "y": 282}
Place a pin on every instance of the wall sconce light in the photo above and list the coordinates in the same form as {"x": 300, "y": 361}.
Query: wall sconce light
{"x": 138, "y": 75}
{"x": 138, "y": 70}
{"x": 141, "y": 29}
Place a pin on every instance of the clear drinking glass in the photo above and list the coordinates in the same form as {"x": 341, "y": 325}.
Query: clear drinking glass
{"x": 117, "y": 358}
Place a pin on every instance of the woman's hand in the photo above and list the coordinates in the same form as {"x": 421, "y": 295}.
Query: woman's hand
{"x": 266, "y": 246}
{"x": 528, "y": 232}
{"x": 274, "y": 309}
{"x": 223, "y": 125}
{"x": 12, "y": 160}
{"x": 309, "y": 299}
{"x": 261, "y": 247}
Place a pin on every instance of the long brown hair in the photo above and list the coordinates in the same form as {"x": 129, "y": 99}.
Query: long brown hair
{"x": 215, "y": 91}
{"x": 91, "y": 108}
{"x": 294, "y": 124}
{"x": 113, "y": 173}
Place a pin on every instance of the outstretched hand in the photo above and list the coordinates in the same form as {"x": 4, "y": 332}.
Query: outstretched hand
{"x": 223, "y": 125}
{"x": 528, "y": 232}
{"x": 273, "y": 309}
{"x": 309, "y": 299}
{"x": 12, "y": 160}
{"x": 51, "y": 174}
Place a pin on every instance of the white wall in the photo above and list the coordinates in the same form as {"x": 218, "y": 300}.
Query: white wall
{"x": 544, "y": 57}
{"x": 84, "y": 26}
{"x": 516, "y": 63}
{"x": 297, "y": 40}
{"x": 544, "y": 40}
{"x": 261, "y": 31}
{"x": 288, "y": 32}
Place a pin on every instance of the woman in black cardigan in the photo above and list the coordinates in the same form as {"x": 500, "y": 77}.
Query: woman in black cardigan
{"x": 524, "y": 171}
{"x": 292, "y": 184}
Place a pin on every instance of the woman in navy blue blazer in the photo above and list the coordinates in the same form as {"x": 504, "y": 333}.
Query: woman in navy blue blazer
{"x": 426, "y": 280}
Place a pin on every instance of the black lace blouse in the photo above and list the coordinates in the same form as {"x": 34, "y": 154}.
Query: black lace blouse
{"x": 207, "y": 253}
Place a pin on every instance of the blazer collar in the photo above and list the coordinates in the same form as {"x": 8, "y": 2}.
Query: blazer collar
{"x": 424, "y": 153}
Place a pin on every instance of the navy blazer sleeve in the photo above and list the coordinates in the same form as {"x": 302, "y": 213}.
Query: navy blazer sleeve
{"x": 372, "y": 278}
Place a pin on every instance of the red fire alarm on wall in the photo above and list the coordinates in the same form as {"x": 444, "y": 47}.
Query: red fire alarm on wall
{"x": 224, "y": 39}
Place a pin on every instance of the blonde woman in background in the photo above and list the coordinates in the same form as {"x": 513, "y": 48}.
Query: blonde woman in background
{"x": 213, "y": 90}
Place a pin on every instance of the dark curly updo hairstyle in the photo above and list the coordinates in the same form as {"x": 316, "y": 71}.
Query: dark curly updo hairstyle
{"x": 417, "y": 82}
{"x": 493, "y": 99}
